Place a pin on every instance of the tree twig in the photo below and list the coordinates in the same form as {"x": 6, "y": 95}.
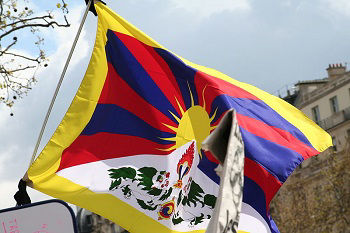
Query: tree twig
{"x": 8, "y": 47}
{"x": 27, "y": 20}
{"x": 21, "y": 56}
{"x": 35, "y": 25}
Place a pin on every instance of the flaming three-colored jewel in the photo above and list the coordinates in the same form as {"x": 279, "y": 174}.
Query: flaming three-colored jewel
{"x": 185, "y": 164}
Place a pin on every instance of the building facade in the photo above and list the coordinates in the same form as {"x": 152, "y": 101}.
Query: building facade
{"x": 316, "y": 197}
{"x": 327, "y": 102}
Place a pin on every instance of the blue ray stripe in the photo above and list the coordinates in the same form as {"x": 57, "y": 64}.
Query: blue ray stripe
{"x": 254, "y": 196}
{"x": 184, "y": 75}
{"x": 252, "y": 193}
{"x": 110, "y": 118}
{"x": 207, "y": 167}
{"x": 280, "y": 161}
{"x": 132, "y": 72}
{"x": 256, "y": 109}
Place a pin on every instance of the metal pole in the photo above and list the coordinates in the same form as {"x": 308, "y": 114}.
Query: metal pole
{"x": 59, "y": 83}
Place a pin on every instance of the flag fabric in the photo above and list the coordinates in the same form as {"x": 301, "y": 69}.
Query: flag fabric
{"x": 129, "y": 146}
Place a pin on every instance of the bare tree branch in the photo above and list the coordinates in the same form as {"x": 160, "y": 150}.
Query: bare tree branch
{"x": 27, "y": 20}
{"x": 1, "y": 7}
{"x": 320, "y": 195}
{"x": 21, "y": 56}
{"x": 34, "y": 25}
{"x": 17, "y": 70}
{"x": 8, "y": 47}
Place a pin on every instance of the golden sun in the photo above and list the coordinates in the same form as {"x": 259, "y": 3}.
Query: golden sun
{"x": 194, "y": 124}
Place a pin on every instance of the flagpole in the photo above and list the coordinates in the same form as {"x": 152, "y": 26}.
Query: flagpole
{"x": 60, "y": 82}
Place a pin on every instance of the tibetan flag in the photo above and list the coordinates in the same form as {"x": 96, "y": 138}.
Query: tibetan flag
{"x": 129, "y": 147}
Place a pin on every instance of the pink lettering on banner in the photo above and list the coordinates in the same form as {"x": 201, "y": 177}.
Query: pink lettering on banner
{"x": 43, "y": 227}
{"x": 13, "y": 226}
{"x": 4, "y": 227}
{"x": 10, "y": 226}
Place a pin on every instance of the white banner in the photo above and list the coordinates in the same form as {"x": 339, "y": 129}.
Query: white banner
{"x": 53, "y": 216}
{"x": 226, "y": 144}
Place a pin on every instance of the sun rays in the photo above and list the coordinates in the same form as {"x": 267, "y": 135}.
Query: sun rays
{"x": 194, "y": 123}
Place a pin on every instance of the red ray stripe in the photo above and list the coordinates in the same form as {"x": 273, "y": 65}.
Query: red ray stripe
{"x": 267, "y": 182}
{"x": 156, "y": 67}
{"x": 254, "y": 126}
{"x": 276, "y": 135}
{"x": 101, "y": 146}
{"x": 216, "y": 87}
{"x": 117, "y": 91}
{"x": 211, "y": 157}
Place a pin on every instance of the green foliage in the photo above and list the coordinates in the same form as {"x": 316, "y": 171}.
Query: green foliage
{"x": 166, "y": 195}
{"x": 194, "y": 195}
{"x": 198, "y": 220}
{"x": 179, "y": 199}
{"x": 119, "y": 174}
{"x": 126, "y": 190}
{"x": 210, "y": 200}
{"x": 156, "y": 197}
{"x": 115, "y": 184}
{"x": 144, "y": 206}
{"x": 155, "y": 192}
{"x": 146, "y": 175}
{"x": 177, "y": 220}
{"x": 124, "y": 172}
{"x": 184, "y": 200}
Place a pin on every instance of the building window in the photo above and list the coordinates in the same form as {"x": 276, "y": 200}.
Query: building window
{"x": 334, "y": 104}
{"x": 316, "y": 114}
{"x": 334, "y": 141}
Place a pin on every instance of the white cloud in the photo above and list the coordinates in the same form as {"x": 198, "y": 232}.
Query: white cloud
{"x": 18, "y": 133}
{"x": 8, "y": 188}
{"x": 64, "y": 38}
{"x": 5, "y": 115}
{"x": 287, "y": 3}
{"x": 13, "y": 63}
{"x": 206, "y": 8}
{"x": 5, "y": 156}
{"x": 339, "y": 6}
{"x": 12, "y": 168}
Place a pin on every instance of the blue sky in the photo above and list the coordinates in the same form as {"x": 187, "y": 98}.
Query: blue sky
{"x": 269, "y": 44}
